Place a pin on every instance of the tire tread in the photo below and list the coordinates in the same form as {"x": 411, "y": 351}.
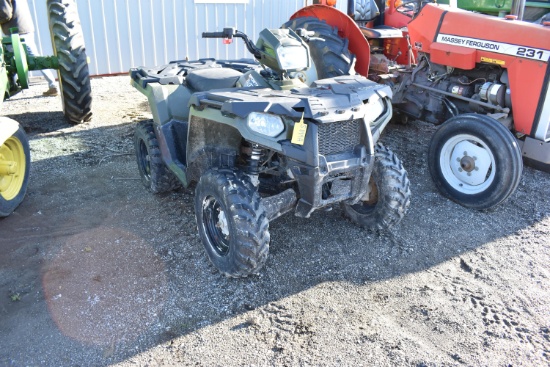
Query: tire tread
{"x": 74, "y": 74}
{"x": 251, "y": 242}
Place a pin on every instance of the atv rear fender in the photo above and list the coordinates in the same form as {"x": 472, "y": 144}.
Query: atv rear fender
{"x": 167, "y": 101}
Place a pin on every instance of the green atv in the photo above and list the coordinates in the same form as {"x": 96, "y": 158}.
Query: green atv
{"x": 258, "y": 143}
{"x": 74, "y": 81}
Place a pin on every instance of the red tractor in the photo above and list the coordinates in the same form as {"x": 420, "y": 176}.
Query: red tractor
{"x": 485, "y": 79}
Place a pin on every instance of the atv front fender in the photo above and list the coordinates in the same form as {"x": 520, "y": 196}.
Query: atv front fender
{"x": 212, "y": 141}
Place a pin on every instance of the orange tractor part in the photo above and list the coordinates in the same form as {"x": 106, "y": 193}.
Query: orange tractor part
{"x": 485, "y": 79}
{"x": 434, "y": 30}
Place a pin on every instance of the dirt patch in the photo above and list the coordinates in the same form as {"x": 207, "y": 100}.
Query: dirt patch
{"x": 96, "y": 271}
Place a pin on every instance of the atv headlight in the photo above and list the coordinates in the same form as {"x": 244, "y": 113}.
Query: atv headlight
{"x": 265, "y": 124}
{"x": 292, "y": 57}
{"x": 374, "y": 108}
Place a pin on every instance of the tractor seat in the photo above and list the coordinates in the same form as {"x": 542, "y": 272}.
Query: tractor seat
{"x": 381, "y": 31}
{"x": 202, "y": 80}
{"x": 364, "y": 12}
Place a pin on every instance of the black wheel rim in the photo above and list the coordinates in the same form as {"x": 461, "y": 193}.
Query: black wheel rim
{"x": 215, "y": 224}
{"x": 144, "y": 160}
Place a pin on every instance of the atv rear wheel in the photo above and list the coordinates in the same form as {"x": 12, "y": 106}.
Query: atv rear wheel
{"x": 389, "y": 196}
{"x": 475, "y": 161}
{"x": 73, "y": 72}
{"x": 330, "y": 55}
{"x": 232, "y": 222}
{"x": 14, "y": 171}
{"x": 155, "y": 176}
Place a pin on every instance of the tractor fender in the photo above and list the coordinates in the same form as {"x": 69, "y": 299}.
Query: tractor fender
{"x": 8, "y": 127}
{"x": 347, "y": 28}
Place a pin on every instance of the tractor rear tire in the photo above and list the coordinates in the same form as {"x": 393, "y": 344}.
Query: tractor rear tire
{"x": 389, "y": 196}
{"x": 15, "y": 154}
{"x": 73, "y": 72}
{"x": 232, "y": 222}
{"x": 330, "y": 55}
{"x": 475, "y": 161}
{"x": 155, "y": 176}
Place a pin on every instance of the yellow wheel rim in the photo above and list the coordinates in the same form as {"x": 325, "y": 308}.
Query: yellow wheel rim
{"x": 13, "y": 165}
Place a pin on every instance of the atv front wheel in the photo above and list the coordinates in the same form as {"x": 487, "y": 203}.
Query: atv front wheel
{"x": 475, "y": 161}
{"x": 232, "y": 222}
{"x": 73, "y": 72}
{"x": 389, "y": 196}
{"x": 329, "y": 51}
{"x": 155, "y": 176}
{"x": 15, "y": 160}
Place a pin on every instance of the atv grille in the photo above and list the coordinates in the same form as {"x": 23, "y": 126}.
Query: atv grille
{"x": 339, "y": 137}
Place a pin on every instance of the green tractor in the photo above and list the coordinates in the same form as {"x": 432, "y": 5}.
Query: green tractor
{"x": 74, "y": 82}
{"x": 531, "y": 10}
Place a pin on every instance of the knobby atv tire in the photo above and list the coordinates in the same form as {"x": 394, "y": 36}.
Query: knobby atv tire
{"x": 14, "y": 186}
{"x": 73, "y": 72}
{"x": 330, "y": 55}
{"x": 503, "y": 175}
{"x": 390, "y": 194}
{"x": 155, "y": 176}
{"x": 232, "y": 222}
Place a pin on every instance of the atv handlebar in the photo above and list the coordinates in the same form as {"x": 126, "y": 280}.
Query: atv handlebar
{"x": 213, "y": 35}
{"x": 226, "y": 33}
{"x": 230, "y": 33}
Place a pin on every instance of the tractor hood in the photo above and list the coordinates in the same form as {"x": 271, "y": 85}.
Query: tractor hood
{"x": 336, "y": 99}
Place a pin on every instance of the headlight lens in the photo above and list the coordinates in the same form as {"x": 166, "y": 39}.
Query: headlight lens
{"x": 292, "y": 57}
{"x": 265, "y": 124}
{"x": 374, "y": 108}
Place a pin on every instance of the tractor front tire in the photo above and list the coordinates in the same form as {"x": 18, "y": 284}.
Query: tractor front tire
{"x": 475, "y": 161}
{"x": 330, "y": 55}
{"x": 15, "y": 161}
{"x": 155, "y": 176}
{"x": 73, "y": 72}
{"x": 389, "y": 196}
{"x": 232, "y": 222}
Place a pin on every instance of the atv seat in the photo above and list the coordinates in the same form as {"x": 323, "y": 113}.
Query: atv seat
{"x": 364, "y": 12}
{"x": 202, "y": 80}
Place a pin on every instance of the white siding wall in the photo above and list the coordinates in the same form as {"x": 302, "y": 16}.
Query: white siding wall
{"x": 120, "y": 34}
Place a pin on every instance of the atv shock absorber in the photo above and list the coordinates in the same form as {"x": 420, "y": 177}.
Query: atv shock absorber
{"x": 252, "y": 154}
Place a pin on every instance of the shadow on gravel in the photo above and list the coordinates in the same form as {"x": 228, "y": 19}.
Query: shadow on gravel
{"x": 103, "y": 270}
{"x": 40, "y": 122}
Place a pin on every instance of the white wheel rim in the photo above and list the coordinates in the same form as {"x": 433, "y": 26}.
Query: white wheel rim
{"x": 467, "y": 164}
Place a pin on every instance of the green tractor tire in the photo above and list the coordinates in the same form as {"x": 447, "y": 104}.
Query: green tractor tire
{"x": 68, "y": 46}
{"x": 14, "y": 166}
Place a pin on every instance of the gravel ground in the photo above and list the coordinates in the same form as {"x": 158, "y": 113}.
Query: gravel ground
{"x": 95, "y": 271}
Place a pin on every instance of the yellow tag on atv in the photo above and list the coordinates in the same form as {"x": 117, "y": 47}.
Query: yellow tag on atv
{"x": 299, "y": 132}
